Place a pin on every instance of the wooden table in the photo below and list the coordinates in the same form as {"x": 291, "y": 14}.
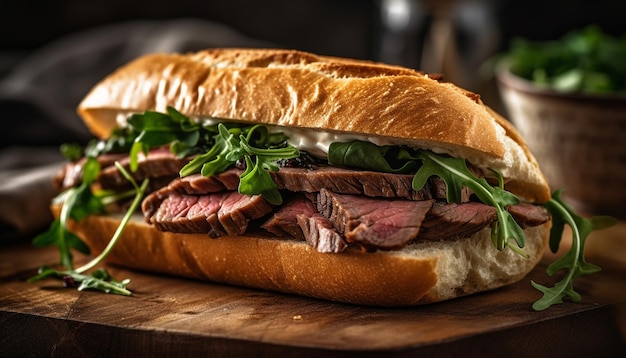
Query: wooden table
{"x": 175, "y": 317}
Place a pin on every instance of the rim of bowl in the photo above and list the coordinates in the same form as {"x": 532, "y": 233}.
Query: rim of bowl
{"x": 506, "y": 78}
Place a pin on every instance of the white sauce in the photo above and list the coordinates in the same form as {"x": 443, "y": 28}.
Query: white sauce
{"x": 313, "y": 141}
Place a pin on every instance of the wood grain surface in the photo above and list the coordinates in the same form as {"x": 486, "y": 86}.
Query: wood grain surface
{"x": 177, "y": 317}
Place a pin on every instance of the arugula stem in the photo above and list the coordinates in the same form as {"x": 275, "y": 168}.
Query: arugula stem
{"x": 104, "y": 285}
{"x": 64, "y": 217}
{"x": 120, "y": 229}
{"x": 487, "y": 197}
{"x": 576, "y": 240}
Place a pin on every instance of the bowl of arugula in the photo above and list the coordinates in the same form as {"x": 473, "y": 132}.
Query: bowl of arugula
{"x": 567, "y": 98}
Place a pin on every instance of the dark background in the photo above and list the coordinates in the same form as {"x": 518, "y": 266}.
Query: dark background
{"x": 337, "y": 27}
{"x": 351, "y": 28}
{"x": 52, "y": 52}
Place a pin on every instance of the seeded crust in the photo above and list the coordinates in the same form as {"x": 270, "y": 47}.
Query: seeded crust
{"x": 299, "y": 89}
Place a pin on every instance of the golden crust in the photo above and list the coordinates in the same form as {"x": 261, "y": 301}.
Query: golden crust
{"x": 420, "y": 274}
{"x": 292, "y": 88}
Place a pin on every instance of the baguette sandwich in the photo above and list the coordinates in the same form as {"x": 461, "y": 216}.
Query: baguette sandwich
{"x": 332, "y": 178}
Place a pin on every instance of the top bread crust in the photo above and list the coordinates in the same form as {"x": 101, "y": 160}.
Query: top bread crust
{"x": 396, "y": 105}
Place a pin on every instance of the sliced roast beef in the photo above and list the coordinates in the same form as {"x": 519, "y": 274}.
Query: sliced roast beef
{"x": 152, "y": 202}
{"x": 440, "y": 191}
{"x": 197, "y": 184}
{"x": 320, "y": 233}
{"x": 235, "y": 213}
{"x": 217, "y": 214}
{"x": 373, "y": 223}
{"x": 71, "y": 174}
{"x": 299, "y": 218}
{"x": 284, "y": 222}
{"x": 185, "y": 213}
{"x": 449, "y": 221}
{"x": 158, "y": 163}
{"x": 529, "y": 215}
{"x": 347, "y": 181}
{"x": 344, "y": 181}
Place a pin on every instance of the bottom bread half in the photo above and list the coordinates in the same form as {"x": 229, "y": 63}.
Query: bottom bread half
{"x": 420, "y": 273}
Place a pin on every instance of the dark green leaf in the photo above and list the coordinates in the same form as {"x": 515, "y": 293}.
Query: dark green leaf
{"x": 256, "y": 180}
{"x": 152, "y": 121}
{"x": 83, "y": 202}
{"x": 71, "y": 152}
{"x": 369, "y": 156}
{"x": 234, "y": 143}
{"x": 91, "y": 170}
{"x": 573, "y": 261}
{"x": 584, "y": 60}
{"x": 456, "y": 175}
{"x": 157, "y": 138}
{"x": 44, "y": 272}
{"x": 101, "y": 280}
{"x": 48, "y": 237}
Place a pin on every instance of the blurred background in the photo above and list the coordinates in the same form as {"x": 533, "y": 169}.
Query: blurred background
{"x": 452, "y": 37}
{"x": 52, "y": 52}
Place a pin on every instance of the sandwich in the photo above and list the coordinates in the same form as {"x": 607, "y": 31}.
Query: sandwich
{"x": 339, "y": 179}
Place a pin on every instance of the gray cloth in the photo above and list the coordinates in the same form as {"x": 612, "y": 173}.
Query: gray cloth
{"x": 38, "y": 98}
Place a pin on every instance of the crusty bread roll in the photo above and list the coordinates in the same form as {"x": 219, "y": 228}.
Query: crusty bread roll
{"x": 418, "y": 274}
{"x": 296, "y": 89}
{"x": 388, "y": 104}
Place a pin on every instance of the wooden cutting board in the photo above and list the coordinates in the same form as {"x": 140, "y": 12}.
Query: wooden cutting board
{"x": 177, "y": 317}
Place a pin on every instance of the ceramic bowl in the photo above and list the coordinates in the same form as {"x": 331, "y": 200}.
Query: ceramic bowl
{"x": 579, "y": 141}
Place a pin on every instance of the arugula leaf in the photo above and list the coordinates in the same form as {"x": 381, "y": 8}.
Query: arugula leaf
{"x": 583, "y": 60}
{"x": 216, "y": 147}
{"x": 256, "y": 180}
{"x": 99, "y": 280}
{"x": 456, "y": 175}
{"x": 453, "y": 171}
{"x": 140, "y": 192}
{"x": 71, "y": 152}
{"x": 574, "y": 260}
{"x": 154, "y": 129}
{"x": 366, "y": 155}
{"x": 76, "y": 209}
{"x": 78, "y": 203}
{"x": 58, "y": 234}
{"x": 221, "y": 145}
{"x": 232, "y": 145}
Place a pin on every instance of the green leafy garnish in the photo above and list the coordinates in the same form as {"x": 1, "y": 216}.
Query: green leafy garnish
{"x": 99, "y": 280}
{"x": 366, "y": 155}
{"x": 156, "y": 129}
{"x": 79, "y": 203}
{"x": 574, "y": 260}
{"x": 72, "y": 152}
{"x": 234, "y": 144}
{"x": 456, "y": 175}
{"x": 218, "y": 147}
{"x": 453, "y": 171}
{"x": 585, "y": 60}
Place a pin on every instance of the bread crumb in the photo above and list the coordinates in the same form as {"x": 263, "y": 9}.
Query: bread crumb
{"x": 297, "y": 317}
